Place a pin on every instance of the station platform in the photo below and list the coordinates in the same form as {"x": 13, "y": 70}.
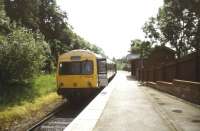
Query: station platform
{"x": 125, "y": 105}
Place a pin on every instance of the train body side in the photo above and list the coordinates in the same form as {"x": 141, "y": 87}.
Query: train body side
{"x": 111, "y": 69}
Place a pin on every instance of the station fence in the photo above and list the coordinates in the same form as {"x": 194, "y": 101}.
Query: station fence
{"x": 186, "y": 68}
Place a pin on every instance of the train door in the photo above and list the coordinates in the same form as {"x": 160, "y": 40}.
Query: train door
{"x": 102, "y": 73}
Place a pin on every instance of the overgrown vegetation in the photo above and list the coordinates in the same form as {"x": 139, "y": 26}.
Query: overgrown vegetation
{"x": 25, "y": 100}
{"x": 121, "y": 63}
{"x": 177, "y": 24}
{"x": 32, "y": 35}
{"x": 13, "y": 116}
{"x": 22, "y": 56}
{"x": 19, "y": 93}
{"x": 141, "y": 47}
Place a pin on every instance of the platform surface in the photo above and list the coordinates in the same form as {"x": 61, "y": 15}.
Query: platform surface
{"x": 127, "y": 106}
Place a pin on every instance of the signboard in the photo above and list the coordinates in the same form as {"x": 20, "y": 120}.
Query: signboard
{"x": 75, "y": 58}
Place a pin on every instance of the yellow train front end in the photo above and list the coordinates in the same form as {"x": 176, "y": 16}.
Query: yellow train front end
{"x": 77, "y": 74}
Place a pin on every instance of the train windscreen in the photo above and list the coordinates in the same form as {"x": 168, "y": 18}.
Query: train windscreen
{"x": 76, "y": 68}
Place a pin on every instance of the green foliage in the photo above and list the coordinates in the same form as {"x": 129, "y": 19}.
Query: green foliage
{"x": 4, "y": 21}
{"x": 173, "y": 28}
{"x": 97, "y": 50}
{"x": 177, "y": 23}
{"x": 23, "y": 51}
{"x": 44, "y": 84}
{"x": 45, "y": 16}
{"x": 120, "y": 63}
{"x": 151, "y": 31}
{"x": 135, "y": 46}
{"x": 26, "y": 92}
{"x": 36, "y": 108}
{"x": 41, "y": 15}
{"x": 21, "y": 55}
{"x": 141, "y": 47}
{"x": 188, "y": 12}
{"x": 32, "y": 35}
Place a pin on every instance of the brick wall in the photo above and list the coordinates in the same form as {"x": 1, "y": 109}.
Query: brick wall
{"x": 187, "y": 90}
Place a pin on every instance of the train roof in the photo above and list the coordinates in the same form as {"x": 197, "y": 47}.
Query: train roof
{"x": 81, "y": 51}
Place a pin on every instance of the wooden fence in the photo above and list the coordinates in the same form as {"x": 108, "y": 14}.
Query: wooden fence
{"x": 186, "y": 68}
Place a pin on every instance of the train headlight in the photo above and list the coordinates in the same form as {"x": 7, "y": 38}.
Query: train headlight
{"x": 75, "y": 84}
{"x": 89, "y": 84}
{"x": 61, "y": 85}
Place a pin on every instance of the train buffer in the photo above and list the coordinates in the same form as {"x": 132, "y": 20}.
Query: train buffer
{"x": 124, "y": 105}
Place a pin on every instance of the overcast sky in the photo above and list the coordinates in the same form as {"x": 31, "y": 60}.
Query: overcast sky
{"x": 110, "y": 24}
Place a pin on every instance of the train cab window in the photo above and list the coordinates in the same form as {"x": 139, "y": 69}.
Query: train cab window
{"x": 76, "y": 68}
{"x": 66, "y": 68}
{"x": 87, "y": 67}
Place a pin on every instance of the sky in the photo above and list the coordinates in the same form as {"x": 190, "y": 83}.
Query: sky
{"x": 110, "y": 24}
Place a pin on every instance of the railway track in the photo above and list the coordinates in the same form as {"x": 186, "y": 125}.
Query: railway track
{"x": 60, "y": 117}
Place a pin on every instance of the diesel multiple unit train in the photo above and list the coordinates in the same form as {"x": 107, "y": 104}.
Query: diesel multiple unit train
{"x": 82, "y": 72}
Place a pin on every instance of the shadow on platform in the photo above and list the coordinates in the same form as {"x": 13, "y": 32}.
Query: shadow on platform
{"x": 130, "y": 78}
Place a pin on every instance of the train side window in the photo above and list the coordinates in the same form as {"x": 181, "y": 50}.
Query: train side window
{"x": 102, "y": 67}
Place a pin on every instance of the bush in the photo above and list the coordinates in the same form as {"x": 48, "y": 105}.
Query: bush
{"x": 22, "y": 54}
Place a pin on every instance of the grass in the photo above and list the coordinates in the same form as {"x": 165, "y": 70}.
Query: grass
{"x": 26, "y": 111}
{"x": 26, "y": 99}
{"x": 45, "y": 84}
{"x": 18, "y": 93}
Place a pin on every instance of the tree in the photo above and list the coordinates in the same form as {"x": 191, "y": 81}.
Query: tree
{"x": 45, "y": 16}
{"x": 152, "y": 33}
{"x": 177, "y": 23}
{"x": 23, "y": 12}
{"x": 171, "y": 28}
{"x": 180, "y": 23}
{"x": 21, "y": 56}
{"x": 141, "y": 47}
{"x": 192, "y": 11}
{"x": 4, "y": 21}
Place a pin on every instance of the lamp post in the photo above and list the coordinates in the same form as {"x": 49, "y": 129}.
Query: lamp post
{"x": 142, "y": 65}
{"x": 142, "y": 69}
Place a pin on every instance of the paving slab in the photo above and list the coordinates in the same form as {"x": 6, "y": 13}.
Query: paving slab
{"x": 181, "y": 114}
{"x": 135, "y": 107}
{"x": 125, "y": 105}
{"x": 129, "y": 109}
